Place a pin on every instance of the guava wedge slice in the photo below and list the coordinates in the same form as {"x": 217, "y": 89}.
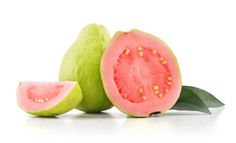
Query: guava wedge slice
{"x": 140, "y": 74}
{"x": 48, "y": 98}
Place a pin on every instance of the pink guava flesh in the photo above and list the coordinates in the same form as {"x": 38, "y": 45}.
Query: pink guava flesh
{"x": 140, "y": 74}
{"x": 37, "y": 96}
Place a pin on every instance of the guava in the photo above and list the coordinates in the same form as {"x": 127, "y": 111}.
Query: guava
{"x": 140, "y": 74}
{"x": 48, "y": 98}
{"x": 81, "y": 63}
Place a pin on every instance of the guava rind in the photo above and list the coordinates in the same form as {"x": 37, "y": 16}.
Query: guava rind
{"x": 69, "y": 102}
{"x": 105, "y": 86}
{"x": 81, "y": 63}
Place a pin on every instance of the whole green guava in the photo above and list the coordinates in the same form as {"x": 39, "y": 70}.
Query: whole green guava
{"x": 81, "y": 63}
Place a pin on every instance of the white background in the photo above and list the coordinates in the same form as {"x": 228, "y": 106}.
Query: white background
{"x": 34, "y": 35}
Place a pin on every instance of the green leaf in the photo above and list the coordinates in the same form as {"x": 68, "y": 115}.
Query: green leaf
{"x": 196, "y": 99}
{"x": 190, "y": 101}
{"x": 209, "y": 100}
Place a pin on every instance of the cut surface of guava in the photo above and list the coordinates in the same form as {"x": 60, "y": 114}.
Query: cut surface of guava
{"x": 140, "y": 74}
{"x": 48, "y": 98}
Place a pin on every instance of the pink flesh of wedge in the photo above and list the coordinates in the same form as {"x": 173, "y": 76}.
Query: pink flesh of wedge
{"x": 140, "y": 74}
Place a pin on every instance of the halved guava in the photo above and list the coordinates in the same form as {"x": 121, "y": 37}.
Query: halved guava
{"x": 140, "y": 74}
{"x": 48, "y": 98}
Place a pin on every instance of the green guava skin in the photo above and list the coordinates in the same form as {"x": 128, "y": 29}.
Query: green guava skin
{"x": 70, "y": 101}
{"x": 81, "y": 63}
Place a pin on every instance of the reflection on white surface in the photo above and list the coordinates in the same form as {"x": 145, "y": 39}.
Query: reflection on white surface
{"x": 116, "y": 123}
{"x": 76, "y": 124}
